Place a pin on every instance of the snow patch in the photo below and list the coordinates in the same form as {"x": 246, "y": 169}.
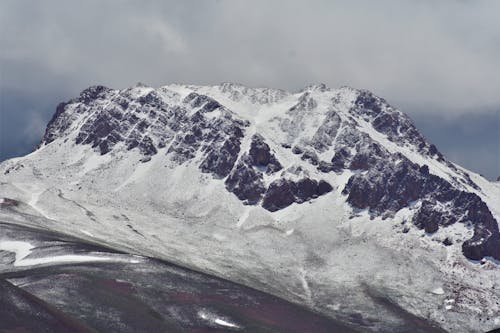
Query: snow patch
{"x": 215, "y": 319}
{"x": 437, "y": 291}
{"x": 448, "y": 304}
{"x": 23, "y": 249}
{"x": 87, "y": 233}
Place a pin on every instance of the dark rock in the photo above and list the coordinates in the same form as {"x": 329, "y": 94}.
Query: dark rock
{"x": 433, "y": 150}
{"x": 431, "y": 226}
{"x": 152, "y": 98}
{"x": 104, "y": 147}
{"x": 305, "y": 189}
{"x": 196, "y": 100}
{"x": 474, "y": 249}
{"x": 325, "y": 166}
{"x": 324, "y": 187}
{"x": 368, "y": 103}
{"x": 261, "y": 155}
{"x": 385, "y": 123}
{"x": 102, "y": 126}
{"x": 310, "y": 156}
{"x": 245, "y": 182}
{"x": 447, "y": 242}
{"x": 50, "y": 133}
{"x": 427, "y": 217}
{"x": 221, "y": 161}
{"x": 7, "y": 202}
{"x": 424, "y": 169}
{"x": 367, "y": 157}
{"x": 393, "y": 182}
{"x": 397, "y": 126}
{"x": 297, "y": 150}
{"x": 211, "y": 105}
{"x": 92, "y": 93}
{"x": 147, "y": 147}
{"x": 283, "y": 192}
{"x": 279, "y": 195}
{"x": 387, "y": 186}
{"x": 340, "y": 159}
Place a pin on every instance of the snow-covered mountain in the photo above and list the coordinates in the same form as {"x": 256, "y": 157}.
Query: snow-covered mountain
{"x": 330, "y": 198}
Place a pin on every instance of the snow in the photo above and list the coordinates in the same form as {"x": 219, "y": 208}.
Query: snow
{"x": 140, "y": 170}
{"x": 87, "y": 233}
{"x": 94, "y": 161}
{"x": 448, "y": 304}
{"x": 244, "y": 216}
{"x": 438, "y": 291}
{"x": 213, "y": 318}
{"x": 23, "y": 249}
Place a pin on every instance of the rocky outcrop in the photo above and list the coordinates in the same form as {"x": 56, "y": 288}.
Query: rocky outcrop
{"x": 246, "y": 182}
{"x": 261, "y": 155}
{"x": 397, "y": 126}
{"x": 220, "y": 161}
{"x": 392, "y": 182}
{"x": 283, "y": 192}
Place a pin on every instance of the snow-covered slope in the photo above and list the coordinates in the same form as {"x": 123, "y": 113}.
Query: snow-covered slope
{"x": 327, "y": 197}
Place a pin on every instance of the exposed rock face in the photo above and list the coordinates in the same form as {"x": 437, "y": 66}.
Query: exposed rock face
{"x": 261, "y": 155}
{"x": 391, "y": 122}
{"x": 246, "y": 182}
{"x": 392, "y": 182}
{"x": 330, "y": 139}
{"x": 282, "y": 193}
{"x": 122, "y": 118}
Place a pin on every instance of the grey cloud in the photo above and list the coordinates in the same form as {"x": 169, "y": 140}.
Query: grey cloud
{"x": 427, "y": 57}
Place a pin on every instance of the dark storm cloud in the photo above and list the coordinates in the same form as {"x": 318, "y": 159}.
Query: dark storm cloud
{"x": 434, "y": 59}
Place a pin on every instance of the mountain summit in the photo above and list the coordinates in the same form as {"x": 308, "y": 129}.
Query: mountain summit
{"x": 313, "y": 196}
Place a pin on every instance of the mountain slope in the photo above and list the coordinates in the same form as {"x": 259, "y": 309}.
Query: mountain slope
{"x": 316, "y": 196}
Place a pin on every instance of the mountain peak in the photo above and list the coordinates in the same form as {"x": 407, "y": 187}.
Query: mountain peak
{"x": 320, "y": 87}
{"x": 348, "y": 130}
{"x": 312, "y": 188}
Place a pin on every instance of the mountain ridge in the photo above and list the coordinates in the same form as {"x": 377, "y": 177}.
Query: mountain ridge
{"x": 242, "y": 182}
{"x": 246, "y": 182}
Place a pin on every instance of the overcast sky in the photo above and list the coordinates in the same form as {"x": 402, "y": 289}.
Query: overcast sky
{"x": 438, "y": 61}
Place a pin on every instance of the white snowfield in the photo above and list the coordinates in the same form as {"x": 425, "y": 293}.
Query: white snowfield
{"x": 318, "y": 253}
{"x": 23, "y": 249}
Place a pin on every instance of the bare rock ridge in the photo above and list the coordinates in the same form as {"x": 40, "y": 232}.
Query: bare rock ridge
{"x": 329, "y": 131}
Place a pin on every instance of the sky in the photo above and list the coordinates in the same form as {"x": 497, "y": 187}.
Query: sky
{"x": 437, "y": 61}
